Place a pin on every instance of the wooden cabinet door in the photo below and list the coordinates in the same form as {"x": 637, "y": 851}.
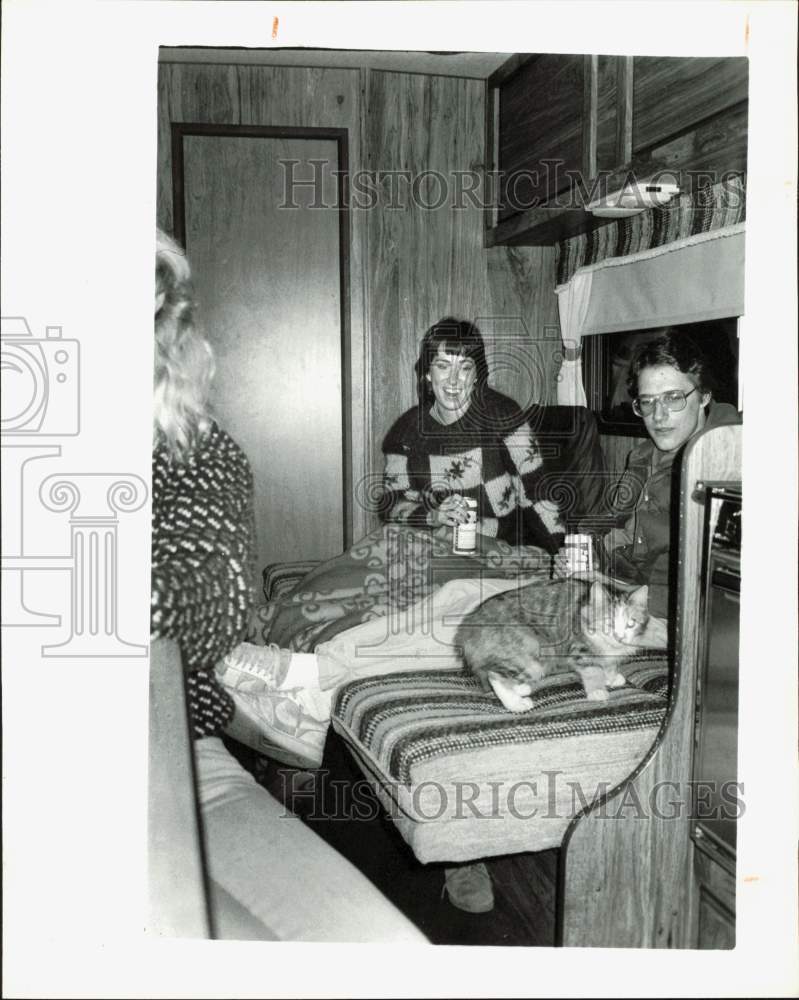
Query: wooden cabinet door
{"x": 540, "y": 130}
{"x": 267, "y": 276}
{"x": 672, "y": 95}
{"x": 563, "y": 130}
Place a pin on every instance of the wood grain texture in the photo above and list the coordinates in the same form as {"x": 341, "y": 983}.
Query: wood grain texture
{"x": 409, "y": 265}
{"x": 606, "y": 86}
{"x": 267, "y": 282}
{"x": 541, "y": 118}
{"x": 628, "y": 881}
{"x": 280, "y": 95}
{"x": 178, "y": 906}
{"x": 674, "y": 119}
{"x": 670, "y": 94}
{"x": 590, "y": 115}
{"x": 716, "y": 924}
{"x": 624, "y": 111}
{"x": 425, "y": 263}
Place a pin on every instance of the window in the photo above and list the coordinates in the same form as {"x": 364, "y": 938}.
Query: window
{"x": 606, "y": 361}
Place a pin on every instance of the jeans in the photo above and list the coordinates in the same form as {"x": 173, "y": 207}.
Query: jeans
{"x": 270, "y": 877}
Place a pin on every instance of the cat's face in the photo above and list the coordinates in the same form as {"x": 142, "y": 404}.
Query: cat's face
{"x": 629, "y": 615}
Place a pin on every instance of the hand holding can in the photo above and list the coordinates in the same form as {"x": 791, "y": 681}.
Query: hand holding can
{"x": 464, "y": 535}
{"x": 579, "y": 553}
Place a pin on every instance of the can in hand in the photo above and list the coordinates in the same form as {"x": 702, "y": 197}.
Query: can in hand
{"x": 464, "y": 536}
{"x": 580, "y": 552}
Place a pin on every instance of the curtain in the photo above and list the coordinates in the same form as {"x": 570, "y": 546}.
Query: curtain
{"x": 573, "y": 301}
{"x": 697, "y": 278}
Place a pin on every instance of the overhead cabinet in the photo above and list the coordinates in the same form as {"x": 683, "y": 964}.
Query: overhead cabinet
{"x": 563, "y": 131}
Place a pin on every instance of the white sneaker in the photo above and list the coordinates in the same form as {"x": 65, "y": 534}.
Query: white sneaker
{"x": 254, "y": 668}
{"x": 276, "y": 723}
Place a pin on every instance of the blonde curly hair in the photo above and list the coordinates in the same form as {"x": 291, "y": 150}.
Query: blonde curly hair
{"x": 184, "y": 361}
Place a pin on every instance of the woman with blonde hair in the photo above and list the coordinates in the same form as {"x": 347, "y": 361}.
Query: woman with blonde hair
{"x": 262, "y": 861}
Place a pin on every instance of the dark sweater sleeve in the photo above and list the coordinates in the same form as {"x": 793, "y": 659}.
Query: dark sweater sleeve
{"x": 202, "y": 561}
{"x": 398, "y": 501}
{"x": 536, "y": 518}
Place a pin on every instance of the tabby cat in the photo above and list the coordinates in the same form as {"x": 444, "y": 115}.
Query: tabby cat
{"x": 518, "y": 637}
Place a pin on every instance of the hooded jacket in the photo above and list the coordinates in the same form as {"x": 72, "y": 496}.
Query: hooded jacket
{"x": 640, "y": 550}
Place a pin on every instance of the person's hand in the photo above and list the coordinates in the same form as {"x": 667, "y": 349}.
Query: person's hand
{"x": 452, "y": 510}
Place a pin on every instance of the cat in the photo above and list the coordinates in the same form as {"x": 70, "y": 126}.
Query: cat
{"x": 516, "y": 638}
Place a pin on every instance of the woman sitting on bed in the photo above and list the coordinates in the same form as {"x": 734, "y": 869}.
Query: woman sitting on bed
{"x": 465, "y": 439}
{"x": 462, "y": 440}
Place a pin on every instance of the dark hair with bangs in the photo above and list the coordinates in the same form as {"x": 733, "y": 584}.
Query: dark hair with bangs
{"x": 456, "y": 336}
{"x": 676, "y": 350}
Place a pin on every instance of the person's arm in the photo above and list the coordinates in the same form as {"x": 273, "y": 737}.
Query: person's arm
{"x": 203, "y": 553}
{"x": 400, "y": 503}
{"x": 542, "y": 523}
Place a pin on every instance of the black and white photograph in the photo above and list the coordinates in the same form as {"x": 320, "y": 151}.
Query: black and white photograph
{"x": 388, "y": 600}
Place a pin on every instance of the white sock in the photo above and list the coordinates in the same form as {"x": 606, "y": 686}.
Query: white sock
{"x": 303, "y": 672}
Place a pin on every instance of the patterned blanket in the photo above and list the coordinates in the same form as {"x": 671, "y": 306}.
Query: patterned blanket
{"x": 387, "y": 571}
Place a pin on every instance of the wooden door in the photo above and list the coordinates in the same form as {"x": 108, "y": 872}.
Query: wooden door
{"x": 267, "y": 273}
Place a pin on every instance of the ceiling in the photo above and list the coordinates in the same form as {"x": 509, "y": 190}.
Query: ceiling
{"x": 477, "y": 65}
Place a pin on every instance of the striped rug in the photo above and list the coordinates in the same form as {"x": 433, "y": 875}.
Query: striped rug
{"x": 405, "y": 719}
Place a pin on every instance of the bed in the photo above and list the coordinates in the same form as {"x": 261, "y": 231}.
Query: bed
{"x": 462, "y": 778}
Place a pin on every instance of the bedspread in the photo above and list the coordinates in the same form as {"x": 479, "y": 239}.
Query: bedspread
{"x": 387, "y": 571}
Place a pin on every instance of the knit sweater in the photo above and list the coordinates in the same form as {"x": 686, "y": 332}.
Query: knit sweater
{"x": 489, "y": 454}
{"x": 203, "y": 545}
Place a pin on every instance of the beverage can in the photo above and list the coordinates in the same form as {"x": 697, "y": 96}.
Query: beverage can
{"x": 464, "y": 536}
{"x": 580, "y": 552}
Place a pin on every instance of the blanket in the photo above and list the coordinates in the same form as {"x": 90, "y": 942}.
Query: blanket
{"x": 386, "y": 573}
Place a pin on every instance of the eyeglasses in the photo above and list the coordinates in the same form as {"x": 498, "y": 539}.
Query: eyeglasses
{"x": 674, "y": 401}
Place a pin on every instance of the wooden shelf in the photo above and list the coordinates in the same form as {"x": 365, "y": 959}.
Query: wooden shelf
{"x": 562, "y": 130}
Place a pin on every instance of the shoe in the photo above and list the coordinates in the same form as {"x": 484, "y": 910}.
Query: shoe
{"x": 254, "y": 668}
{"x": 278, "y": 724}
{"x": 469, "y": 887}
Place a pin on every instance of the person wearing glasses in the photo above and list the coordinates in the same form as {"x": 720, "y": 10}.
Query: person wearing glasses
{"x": 672, "y": 391}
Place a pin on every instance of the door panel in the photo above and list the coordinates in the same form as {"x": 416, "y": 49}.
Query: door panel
{"x": 268, "y": 285}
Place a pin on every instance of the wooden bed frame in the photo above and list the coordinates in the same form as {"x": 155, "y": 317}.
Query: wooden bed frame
{"x": 627, "y": 882}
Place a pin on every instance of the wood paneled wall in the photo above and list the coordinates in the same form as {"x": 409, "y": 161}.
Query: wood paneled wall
{"x": 425, "y": 263}
{"x": 409, "y": 265}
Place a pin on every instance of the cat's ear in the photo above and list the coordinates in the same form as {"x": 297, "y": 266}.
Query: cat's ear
{"x": 639, "y": 597}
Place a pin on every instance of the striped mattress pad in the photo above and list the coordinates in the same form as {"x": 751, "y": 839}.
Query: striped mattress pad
{"x": 432, "y": 742}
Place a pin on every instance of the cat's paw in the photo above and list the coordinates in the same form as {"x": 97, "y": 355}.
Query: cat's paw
{"x": 511, "y": 694}
{"x": 599, "y": 694}
{"x": 618, "y": 681}
{"x": 519, "y": 704}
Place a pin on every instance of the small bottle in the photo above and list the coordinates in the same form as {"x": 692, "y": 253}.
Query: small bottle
{"x": 464, "y": 536}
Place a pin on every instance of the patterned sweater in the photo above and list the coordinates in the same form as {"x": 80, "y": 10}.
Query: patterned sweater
{"x": 203, "y": 545}
{"x": 489, "y": 454}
